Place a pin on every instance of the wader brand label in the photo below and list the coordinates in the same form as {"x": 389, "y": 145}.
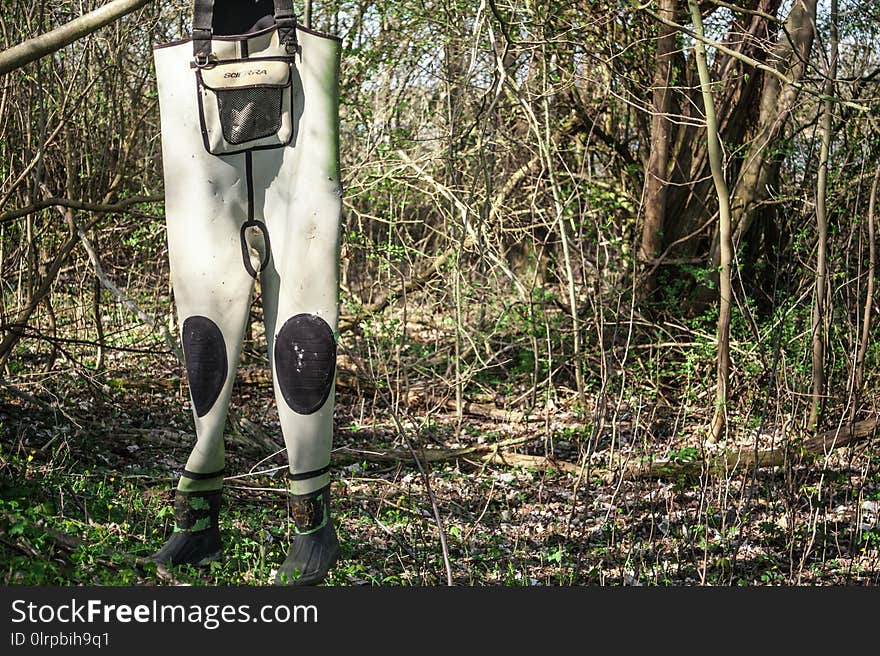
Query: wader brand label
{"x": 245, "y": 73}
{"x": 236, "y": 74}
{"x": 246, "y": 105}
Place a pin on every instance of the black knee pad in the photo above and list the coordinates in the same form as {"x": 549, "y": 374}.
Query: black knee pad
{"x": 205, "y": 353}
{"x": 305, "y": 362}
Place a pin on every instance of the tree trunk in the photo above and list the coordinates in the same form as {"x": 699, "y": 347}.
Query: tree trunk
{"x": 689, "y": 231}
{"x": 820, "y": 302}
{"x": 657, "y": 170}
{"x": 719, "y": 421}
{"x": 791, "y": 54}
{"x": 859, "y": 377}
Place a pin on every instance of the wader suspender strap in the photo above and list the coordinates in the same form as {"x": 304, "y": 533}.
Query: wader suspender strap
{"x": 202, "y": 29}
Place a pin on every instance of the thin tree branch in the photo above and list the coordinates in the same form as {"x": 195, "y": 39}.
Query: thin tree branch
{"x": 122, "y": 205}
{"x": 45, "y": 44}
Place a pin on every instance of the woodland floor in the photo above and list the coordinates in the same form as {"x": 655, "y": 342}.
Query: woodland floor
{"x": 89, "y": 460}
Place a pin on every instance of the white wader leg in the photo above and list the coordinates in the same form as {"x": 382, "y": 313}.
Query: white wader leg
{"x": 251, "y": 159}
{"x": 205, "y": 207}
{"x": 301, "y": 302}
{"x": 301, "y": 284}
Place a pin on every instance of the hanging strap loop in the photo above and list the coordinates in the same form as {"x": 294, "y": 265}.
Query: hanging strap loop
{"x": 285, "y": 20}
{"x": 203, "y": 28}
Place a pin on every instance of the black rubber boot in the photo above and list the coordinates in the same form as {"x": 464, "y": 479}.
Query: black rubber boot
{"x": 314, "y": 548}
{"x": 196, "y": 539}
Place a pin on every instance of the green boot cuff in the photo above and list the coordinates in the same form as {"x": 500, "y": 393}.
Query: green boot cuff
{"x": 310, "y": 512}
{"x": 196, "y": 511}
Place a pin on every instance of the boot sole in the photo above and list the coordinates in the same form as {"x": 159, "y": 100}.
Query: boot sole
{"x": 206, "y": 560}
{"x": 315, "y": 578}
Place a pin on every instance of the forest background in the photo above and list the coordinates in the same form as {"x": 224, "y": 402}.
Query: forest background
{"x": 607, "y": 292}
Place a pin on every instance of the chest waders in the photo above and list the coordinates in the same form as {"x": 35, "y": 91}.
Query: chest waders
{"x": 250, "y": 147}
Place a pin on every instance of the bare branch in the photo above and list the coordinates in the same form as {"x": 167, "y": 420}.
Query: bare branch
{"x": 45, "y": 44}
{"x": 122, "y": 205}
{"x": 108, "y": 284}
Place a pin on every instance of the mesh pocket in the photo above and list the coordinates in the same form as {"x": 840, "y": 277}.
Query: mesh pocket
{"x": 249, "y": 114}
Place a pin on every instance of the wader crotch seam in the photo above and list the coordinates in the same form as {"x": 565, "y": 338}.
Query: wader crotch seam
{"x": 246, "y": 248}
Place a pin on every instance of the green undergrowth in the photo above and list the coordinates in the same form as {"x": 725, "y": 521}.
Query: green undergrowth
{"x": 65, "y": 526}
{"x": 84, "y": 505}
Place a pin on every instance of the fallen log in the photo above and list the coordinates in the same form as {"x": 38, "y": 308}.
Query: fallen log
{"x": 729, "y": 462}
{"x": 725, "y": 464}
{"x": 743, "y": 459}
